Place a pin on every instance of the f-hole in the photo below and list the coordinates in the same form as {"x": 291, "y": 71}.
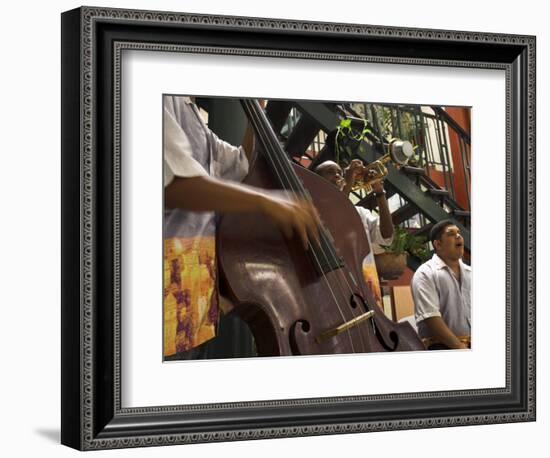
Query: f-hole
{"x": 358, "y": 300}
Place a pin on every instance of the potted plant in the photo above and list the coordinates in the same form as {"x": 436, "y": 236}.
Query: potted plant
{"x": 392, "y": 263}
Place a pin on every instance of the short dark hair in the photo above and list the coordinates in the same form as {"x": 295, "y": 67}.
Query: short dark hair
{"x": 438, "y": 229}
{"x": 320, "y": 168}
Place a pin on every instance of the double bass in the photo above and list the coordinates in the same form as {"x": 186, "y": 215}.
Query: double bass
{"x": 297, "y": 301}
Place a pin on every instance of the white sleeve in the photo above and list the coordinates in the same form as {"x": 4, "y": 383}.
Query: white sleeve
{"x": 177, "y": 152}
{"x": 372, "y": 224}
{"x": 426, "y": 299}
{"x": 228, "y": 161}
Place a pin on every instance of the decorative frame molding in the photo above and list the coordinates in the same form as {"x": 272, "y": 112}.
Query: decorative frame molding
{"x": 93, "y": 39}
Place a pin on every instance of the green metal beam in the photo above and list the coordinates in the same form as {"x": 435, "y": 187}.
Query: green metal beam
{"x": 413, "y": 194}
{"x": 320, "y": 112}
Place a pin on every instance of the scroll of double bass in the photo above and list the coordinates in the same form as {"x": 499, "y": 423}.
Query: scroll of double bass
{"x": 297, "y": 301}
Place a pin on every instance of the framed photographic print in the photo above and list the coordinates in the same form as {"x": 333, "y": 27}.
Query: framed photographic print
{"x": 275, "y": 228}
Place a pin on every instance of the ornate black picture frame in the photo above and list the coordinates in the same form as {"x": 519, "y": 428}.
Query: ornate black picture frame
{"x": 92, "y": 415}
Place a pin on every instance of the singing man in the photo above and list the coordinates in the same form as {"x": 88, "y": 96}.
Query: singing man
{"x": 441, "y": 289}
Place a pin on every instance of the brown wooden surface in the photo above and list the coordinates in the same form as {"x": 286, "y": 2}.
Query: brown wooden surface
{"x": 278, "y": 292}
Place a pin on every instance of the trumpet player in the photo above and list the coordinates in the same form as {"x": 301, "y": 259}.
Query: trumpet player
{"x": 379, "y": 229}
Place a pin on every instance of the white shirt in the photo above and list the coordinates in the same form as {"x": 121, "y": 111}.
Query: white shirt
{"x": 437, "y": 292}
{"x": 178, "y": 156}
{"x": 371, "y": 223}
{"x": 191, "y": 149}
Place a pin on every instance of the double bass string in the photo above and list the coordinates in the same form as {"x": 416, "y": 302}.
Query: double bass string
{"x": 296, "y": 187}
{"x": 277, "y": 165}
{"x": 296, "y": 183}
{"x": 331, "y": 253}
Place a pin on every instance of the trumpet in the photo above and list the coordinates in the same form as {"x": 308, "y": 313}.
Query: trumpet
{"x": 399, "y": 153}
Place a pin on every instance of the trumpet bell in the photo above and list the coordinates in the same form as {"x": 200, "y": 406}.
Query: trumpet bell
{"x": 401, "y": 151}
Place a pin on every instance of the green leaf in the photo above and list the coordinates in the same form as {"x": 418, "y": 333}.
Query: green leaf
{"x": 345, "y": 122}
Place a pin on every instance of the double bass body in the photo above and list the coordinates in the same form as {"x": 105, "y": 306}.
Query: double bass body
{"x": 290, "y": 308}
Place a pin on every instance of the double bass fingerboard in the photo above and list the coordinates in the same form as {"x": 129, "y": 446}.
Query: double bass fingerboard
{"x": 323, "y": 254}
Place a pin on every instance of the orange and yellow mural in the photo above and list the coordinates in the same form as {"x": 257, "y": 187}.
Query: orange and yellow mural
{"x": 190, "y": 302}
